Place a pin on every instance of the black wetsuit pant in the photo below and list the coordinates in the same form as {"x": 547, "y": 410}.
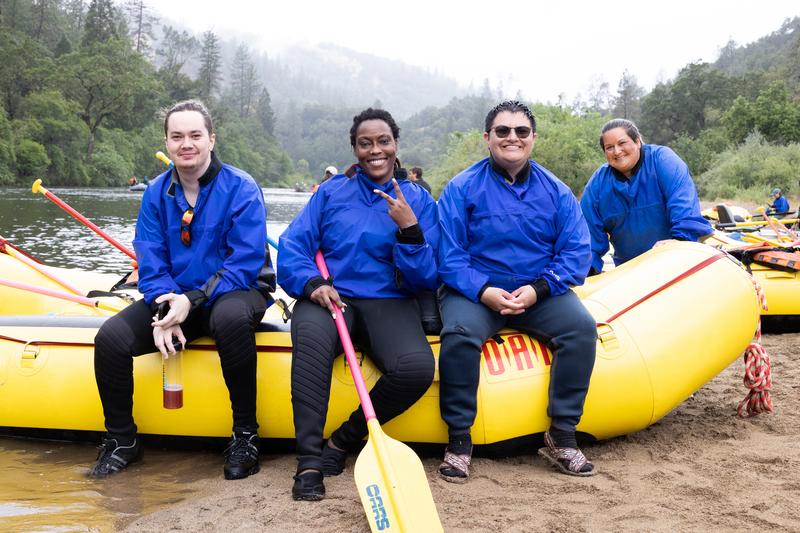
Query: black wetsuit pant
{"x": 562, "y": 322}
{"x": 231, "y": 321}
{"x": 390, "y": 332}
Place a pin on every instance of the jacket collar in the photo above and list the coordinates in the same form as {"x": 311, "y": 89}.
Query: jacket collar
{"x": 521, "y": 177}
{"x": 208, "y": 176}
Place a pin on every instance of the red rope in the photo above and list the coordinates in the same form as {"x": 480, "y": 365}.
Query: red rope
{"x": 757, "y": 370}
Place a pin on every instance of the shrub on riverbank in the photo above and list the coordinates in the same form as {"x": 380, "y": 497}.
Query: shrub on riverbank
{"x": 751, "y": 170}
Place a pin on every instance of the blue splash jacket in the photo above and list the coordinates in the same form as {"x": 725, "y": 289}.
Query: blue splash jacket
{"x": 780, "y": 205}
{"x": 365, "y": 253}
{"x": 507, "y": 236}
{"x": 228, "y": 247}
{"x": 658, "y": 202}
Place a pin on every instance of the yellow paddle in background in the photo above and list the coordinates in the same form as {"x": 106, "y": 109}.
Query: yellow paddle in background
{"x": 164, "y": 159}
{"x": 390, "y": 478}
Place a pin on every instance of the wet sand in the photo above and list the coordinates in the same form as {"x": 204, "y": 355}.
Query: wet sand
{"x": 699, "y": 468}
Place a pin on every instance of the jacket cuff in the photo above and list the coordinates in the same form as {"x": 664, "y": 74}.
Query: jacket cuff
{"x": 411, "y": 235}
{"x": 542, "y": 289}
{"x": 315, "y": 283}
{"x": 483, "y": 289}
{"x": 197, "y": 298}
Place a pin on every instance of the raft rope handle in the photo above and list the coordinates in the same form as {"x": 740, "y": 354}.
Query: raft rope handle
{"x": 757, "y": 370}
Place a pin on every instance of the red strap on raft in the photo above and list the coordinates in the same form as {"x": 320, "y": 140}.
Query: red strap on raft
{"x": 757, "y": 371}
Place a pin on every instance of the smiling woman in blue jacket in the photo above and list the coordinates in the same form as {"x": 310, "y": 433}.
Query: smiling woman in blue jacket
{"x": 644, "y": 195}
{"x": 379, "y": 234}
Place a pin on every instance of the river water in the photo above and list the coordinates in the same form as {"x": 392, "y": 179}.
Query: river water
{"x": 43, "y": 486}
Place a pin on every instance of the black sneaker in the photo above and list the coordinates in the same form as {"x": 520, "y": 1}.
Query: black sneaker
{"x": 113, "y": 457}
{"x": 308, "y": 486}
{"x": 333, "y": 461}
{"x": 241, "y": 455}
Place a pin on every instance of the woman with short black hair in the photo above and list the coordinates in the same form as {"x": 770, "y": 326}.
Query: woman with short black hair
{"x": 379, "y": 234}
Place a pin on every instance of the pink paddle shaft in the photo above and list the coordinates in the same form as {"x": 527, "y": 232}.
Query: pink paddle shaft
{"x": 349, "y": 351}
{"x": 88, "y": 223}
{"x": 45, "y": 272}
{"x": 47, "y": 292}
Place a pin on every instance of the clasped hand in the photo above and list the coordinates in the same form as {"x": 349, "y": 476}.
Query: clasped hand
{"x": 164, "y": 329}
{"x": 509, "y": 303}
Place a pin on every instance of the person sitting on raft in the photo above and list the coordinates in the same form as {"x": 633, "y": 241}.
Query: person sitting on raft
{"x": 513, "y": 243}
{"x": 379, "y": 235}
{"x": 642, "y": 197}
{"x": 201, "y": 247}
{"x": 779, "y": 205}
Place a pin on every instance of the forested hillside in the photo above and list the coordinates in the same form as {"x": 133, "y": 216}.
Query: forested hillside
{"x": 81, "y": 96}
{"x": 736, "y": 122}
{"x": 82, "y": 83}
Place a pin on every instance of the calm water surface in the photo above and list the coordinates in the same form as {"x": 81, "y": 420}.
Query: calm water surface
{"x": 43, "y": 486}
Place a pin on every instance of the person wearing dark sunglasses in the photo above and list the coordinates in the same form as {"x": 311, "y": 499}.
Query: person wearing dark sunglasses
{"x": 513, "y": 243}
{"x": 201, "y": 246}
{"x": 642, "y": 197}
{"x": 379, "y": 234}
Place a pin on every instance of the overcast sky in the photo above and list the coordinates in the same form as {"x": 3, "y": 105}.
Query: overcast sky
{"x": 541, "y": 48}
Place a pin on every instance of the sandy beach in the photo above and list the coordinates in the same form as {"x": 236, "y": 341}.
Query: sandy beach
{"x": 700, "y": 468}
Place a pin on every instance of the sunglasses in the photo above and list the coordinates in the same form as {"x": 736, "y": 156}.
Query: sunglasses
{"x": 504, "y": 131}
{"x": 186, "y": 226}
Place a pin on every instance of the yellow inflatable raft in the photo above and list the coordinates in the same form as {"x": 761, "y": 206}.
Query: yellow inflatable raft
{"x": 656, "y": 345}
{"x": 781, "y": 287}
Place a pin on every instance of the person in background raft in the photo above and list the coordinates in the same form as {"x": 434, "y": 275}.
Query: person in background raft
{"x": 416, "y": 176}
{"x": 379, "y": 235}
{"x": 201, "y": 246}
{"x": 329, "y": 173}
{"x": 513, "y": 243}
{"x": 780, "y": 205}
{"x": 643, "y": 196}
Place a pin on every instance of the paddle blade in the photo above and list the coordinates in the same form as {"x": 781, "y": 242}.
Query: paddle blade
{"x": 393, "y": 487}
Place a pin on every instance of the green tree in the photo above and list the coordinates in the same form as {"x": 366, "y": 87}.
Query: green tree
{"x": 7, "y": 160}
{"x": 75, "y": 18}
{"x": 105, "y": 80}
{"x": 101, "y": 24}
{"x": 175, "y": 50}
{"x": 567, "y": 144}
{"x": 264, "y": 112}
{"x": 109, "y": 167}
{"x": 773, "y": 113}
{"x": 750, "y": 170}
{"x": 44, "y": 14}
{"x": 32, "y": 160}
{"x": 140, "y": 22}
{"x": 627, "y": 103}
{"x": 244, "y": 87}
{"x": 52, "y": 121}
{"x": 25, "y": 64}
{"x": 463, "y": 149}
{"x": 692, "y": 102}
{"x": 210, "y": 66}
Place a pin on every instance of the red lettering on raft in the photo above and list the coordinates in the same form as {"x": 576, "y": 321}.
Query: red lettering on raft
{"x": 498, "y": 361}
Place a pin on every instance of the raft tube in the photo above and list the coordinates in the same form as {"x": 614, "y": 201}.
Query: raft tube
{"x": 668, "y": 322}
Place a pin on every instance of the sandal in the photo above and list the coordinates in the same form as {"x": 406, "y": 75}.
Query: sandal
{"x": 455, "y": 467}
{"x": 570, "y": 461}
